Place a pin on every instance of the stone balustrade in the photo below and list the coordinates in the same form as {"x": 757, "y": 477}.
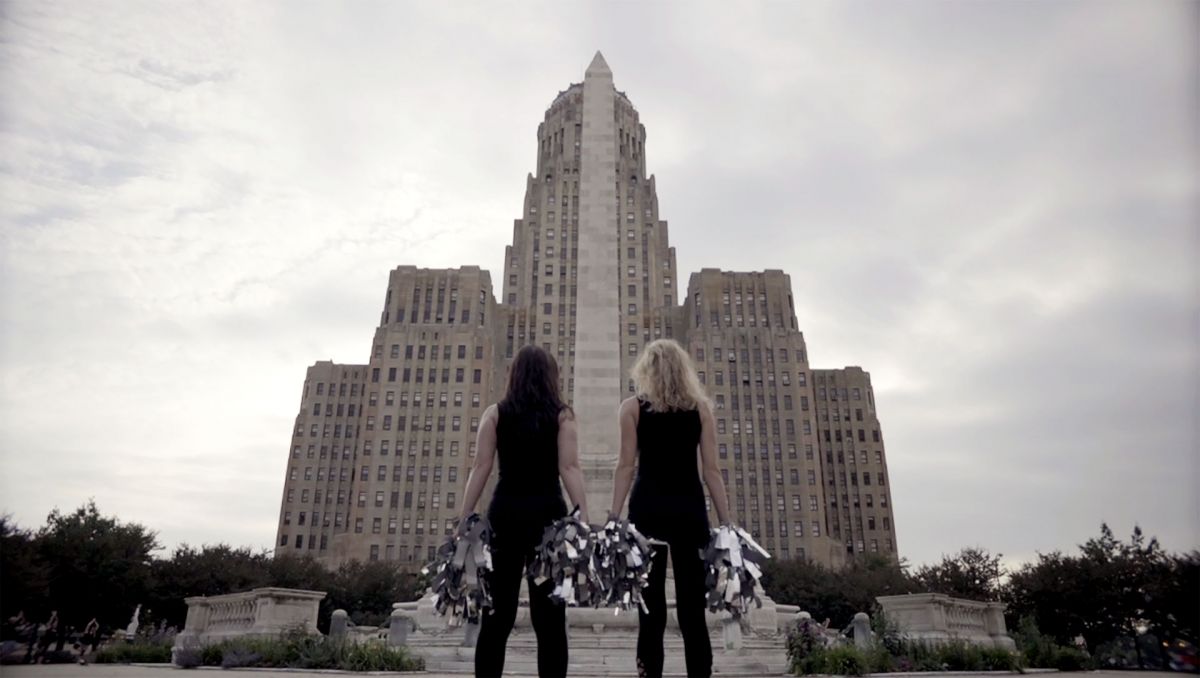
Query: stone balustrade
{"x": 263, "y": 612}
{"x": 938, "y": 618}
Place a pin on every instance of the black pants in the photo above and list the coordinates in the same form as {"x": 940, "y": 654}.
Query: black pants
{"x": 689, "y": 607}
{"x": 549, "y": 618}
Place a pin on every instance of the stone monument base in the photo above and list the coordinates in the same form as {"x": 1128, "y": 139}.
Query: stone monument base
{"x": 603, "y": 642}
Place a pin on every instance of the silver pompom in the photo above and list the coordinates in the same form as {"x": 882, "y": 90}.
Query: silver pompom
{"x": 733, "y": 561}
{"x": 460, "y": 572}
{"x": 566, "y": 556}
{"x": 622, "y": 562}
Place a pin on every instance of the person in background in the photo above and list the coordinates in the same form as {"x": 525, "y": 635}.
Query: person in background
{"x": 532, "y": 432}
{"x": 664, "y": 428}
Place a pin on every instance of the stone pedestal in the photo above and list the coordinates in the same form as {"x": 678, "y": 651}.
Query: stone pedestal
{"x": 262, "y": 612}
{"x": 938, "y": 618}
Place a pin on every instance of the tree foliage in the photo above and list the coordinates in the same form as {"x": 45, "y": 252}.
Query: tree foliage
{"x": 835, "y": 594}
{"x": 973, "y": 574}
{"x": 85, "y": 565}
{"x": 1112, "y": 589}
{"x": 94, "y": 565}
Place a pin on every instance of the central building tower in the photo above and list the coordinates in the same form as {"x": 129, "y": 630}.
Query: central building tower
{"x": 590, "y": 272}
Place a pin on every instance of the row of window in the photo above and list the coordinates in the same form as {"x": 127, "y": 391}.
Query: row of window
{"x": 723, "y": 451}
{"x": 744, "y": 355}
{"x": 402, "y": 421}
{"x": 329, "y": 430}
{"x": 382, "y": 474}
{"x": 862, "y": 457}
{"x": 833, "y": 393}
{"x": 431, "y": 398}
{"x": 836, "y": 436}
{"x": 340, "y": 391}
{"x": 407, "y": 375}
{"x": 420, "y": 352}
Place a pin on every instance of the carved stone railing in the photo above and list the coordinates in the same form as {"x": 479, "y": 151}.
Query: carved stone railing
{"x": 938, "y": 618}
{"x": 261, "y": 612}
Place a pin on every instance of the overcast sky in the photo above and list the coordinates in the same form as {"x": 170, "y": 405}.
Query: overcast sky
{"x": 992, "y": 207}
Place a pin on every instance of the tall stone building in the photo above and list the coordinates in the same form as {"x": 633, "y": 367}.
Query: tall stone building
{"x": 381, "y": 451}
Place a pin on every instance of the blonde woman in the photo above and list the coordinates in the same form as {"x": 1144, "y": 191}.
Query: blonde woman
{"x": 663, "y": 429}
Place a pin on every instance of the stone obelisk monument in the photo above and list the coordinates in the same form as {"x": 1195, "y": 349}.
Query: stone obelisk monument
{"x": 598, "y": 324}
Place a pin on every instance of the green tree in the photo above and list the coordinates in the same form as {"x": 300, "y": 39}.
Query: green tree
{"x": 835, "y": 594}
{"x": 1112, "y": 589}
{"x": 973, "y": 574}
{"x": 95, "y": 565}
{"x": 22, "y": 579}
{"x": 367, "y": 590}
{"x": 211, "y": 570}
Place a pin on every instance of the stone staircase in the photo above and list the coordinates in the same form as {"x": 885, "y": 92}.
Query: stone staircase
{"x": 609, "y": 653}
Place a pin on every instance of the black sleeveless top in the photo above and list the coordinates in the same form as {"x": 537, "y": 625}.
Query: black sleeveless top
{"x": 528, "y": 496}
{"x": 667, "y": 502}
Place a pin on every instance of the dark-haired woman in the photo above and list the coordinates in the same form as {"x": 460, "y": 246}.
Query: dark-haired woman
{"x": 663, "y": 429}
{"x": 533, "y": 433}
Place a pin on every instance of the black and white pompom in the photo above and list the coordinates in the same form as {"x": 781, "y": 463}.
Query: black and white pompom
{"x": 733, "y": 561}
{"x": 623, "y": 559}
{"x": 566, "y": 556}
{"x": 460, "y": 572}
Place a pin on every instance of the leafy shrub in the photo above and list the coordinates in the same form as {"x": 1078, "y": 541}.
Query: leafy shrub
{"x": 379, "y": 657}
{"x": 960, "y": 656}
{"x": 1072, "y": 659}
{"x": 188, "y": 658}
{"x": 879, "y": 659}
{"x": 210, "y": 655}
{"x": 844, "y": 660}
{"x": 803, "y": 638}
{"x": 239, "y": 657}
{"x": 136, "y": 652}
{"x": 1040, "y": 651}
{"x": 999, "y": 659}
{"x": 302, "y": 651}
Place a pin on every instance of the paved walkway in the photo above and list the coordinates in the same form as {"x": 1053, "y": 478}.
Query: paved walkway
{"x": 118, "y": 671}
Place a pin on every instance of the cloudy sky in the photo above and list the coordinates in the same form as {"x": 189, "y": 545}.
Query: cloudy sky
{"x": 992, "y": 207}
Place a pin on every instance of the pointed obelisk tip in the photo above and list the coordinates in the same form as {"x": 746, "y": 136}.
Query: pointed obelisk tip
{"x": 598, "y": 66}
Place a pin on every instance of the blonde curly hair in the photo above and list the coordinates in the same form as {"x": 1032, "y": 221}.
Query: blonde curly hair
{"x": 665, "y": 377}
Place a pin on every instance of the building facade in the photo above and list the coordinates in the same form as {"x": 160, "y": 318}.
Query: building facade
{"x": 381, "y": 451}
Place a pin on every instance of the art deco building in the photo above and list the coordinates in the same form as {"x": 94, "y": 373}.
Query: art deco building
{"x": 381, "y": 451}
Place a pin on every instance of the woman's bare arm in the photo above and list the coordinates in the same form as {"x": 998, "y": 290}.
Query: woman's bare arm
{"x": 708, "y": 464}
{"x": 568, "y": 462}
{"x": 485, "y": 455}
{"x": 627, "y": 416}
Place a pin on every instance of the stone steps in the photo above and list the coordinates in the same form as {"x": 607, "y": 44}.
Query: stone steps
{"x": 605, "y": 655}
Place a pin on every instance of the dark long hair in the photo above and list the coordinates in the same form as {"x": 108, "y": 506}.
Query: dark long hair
{"x": 533, "y": 401}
